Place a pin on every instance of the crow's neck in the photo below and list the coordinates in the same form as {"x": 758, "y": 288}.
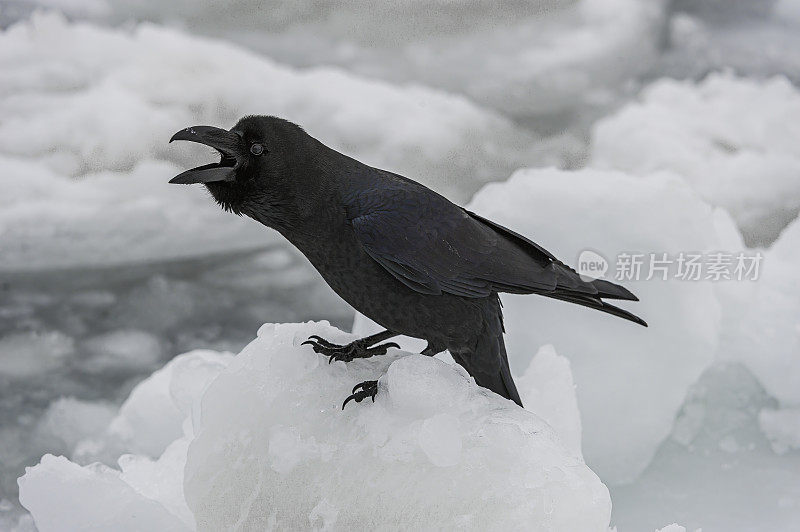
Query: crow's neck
{"x": 307, "y": 210}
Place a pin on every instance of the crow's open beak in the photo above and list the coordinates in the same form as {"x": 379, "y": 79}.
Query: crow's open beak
{"x": 228, "y": 144}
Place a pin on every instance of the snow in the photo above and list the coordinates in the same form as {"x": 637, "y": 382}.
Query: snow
{"x": 95, "y": 108}
{"x": 264, "y": 442}
{"x": 733, "y": 139}
{"x": 630, "y": 380}
{"x": 557, "y": 57}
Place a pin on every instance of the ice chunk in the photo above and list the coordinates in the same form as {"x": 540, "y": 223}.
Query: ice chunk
{"x": 269, "y": 446}
{"x": 23, "y": 355}
{"x": 62, "y": 495}
{"x": 160, "y": 480}
{"x": 700, "y": 483}
{"x": 67, "y": 421}
{"x": 782, "y": 427}
{"x": 765, "y": 334}
{"x": 123, "y": 349}
{"x": 732, "y": 139}
{"x": 674, "y": 527}
{"x": 99, "y": 104}
{"x": 156, "y": 412}
{"x": 48, "y": 220}
{"x": 547, "y": 388}
{"x": 631, "y": 380}
{"x": 274, "y": 448}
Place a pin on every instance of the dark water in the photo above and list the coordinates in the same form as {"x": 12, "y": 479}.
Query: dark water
{"x": 93, "y": 334}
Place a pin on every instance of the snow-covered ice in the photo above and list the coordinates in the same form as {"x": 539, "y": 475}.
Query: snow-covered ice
{"x": 265, "y": 443}
{"x": 630, "y": 381}
{"x": 554, "y": 58}
{"x": 733, "y": 139}
{"x": 87, "y": 112}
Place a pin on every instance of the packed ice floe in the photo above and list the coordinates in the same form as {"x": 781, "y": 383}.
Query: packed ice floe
{"x": 87, "y": 112}
{"x": 733, "y": 139}
{"x": 544, "y": 59}
{"x": 259, "y": 440}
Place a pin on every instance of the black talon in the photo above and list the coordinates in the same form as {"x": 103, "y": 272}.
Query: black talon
{"x": 346, "y": 353}
{"x": 368, "y": 389}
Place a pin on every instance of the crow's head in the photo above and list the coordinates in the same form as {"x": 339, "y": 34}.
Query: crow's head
{"x": 260, "y": 159}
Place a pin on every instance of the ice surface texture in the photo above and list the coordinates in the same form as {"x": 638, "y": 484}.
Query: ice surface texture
{"x": 733, "y": 139}
{"x": 268, "y": 445}
{"x": 87, "y": 113}
{"x": 545, "y": 58}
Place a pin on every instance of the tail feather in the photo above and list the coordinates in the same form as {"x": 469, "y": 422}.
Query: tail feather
{"x": 597, "y": 304}
{"x": 488, "y": 365}
{"x": 591, "y": 293}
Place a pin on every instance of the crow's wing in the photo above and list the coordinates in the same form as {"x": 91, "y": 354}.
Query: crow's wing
{"x": 432, "y": 246}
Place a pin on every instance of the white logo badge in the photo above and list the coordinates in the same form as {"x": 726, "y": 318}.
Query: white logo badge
{"x": 591, "y": 265}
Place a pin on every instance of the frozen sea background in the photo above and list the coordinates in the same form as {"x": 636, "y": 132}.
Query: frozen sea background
{"x": 661, "y": 112}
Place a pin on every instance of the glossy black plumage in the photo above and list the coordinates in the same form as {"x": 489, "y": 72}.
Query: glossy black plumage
{"x": 395, "y": 250}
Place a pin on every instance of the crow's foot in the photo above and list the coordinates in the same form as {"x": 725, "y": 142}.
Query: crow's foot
{"x": 346, "y": 353}
{"x": 361, "y": 391}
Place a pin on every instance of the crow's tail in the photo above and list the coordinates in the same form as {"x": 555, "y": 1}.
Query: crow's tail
{"x": 488, "y": 365}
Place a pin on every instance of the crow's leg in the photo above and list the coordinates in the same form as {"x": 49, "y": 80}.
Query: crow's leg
{"x": 431, "y": 350}
{"x": 361, "y": 391}
{"x": 357, "y": 349}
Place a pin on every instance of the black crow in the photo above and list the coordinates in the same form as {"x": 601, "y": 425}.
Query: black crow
{"x": 398, "y": 252}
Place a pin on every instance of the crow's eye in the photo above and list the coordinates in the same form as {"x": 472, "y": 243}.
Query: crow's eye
{"x": 256, "y": 149}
